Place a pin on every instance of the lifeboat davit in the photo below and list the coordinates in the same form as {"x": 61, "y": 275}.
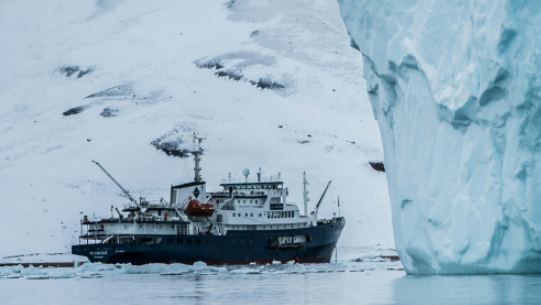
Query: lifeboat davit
{"x": 196, "y": 208}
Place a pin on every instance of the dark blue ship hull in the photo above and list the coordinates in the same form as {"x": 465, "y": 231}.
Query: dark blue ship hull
{"x": 236, "y": 247}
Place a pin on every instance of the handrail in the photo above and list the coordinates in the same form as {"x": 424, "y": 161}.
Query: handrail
{"x": 251, "y": 180}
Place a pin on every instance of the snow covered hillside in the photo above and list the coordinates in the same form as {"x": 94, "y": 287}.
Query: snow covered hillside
{"x": 455, "y": 87}
{"x": 272, "y": 84}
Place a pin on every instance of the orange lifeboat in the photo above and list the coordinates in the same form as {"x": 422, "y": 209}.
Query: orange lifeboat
{"x": 196, "y": 208}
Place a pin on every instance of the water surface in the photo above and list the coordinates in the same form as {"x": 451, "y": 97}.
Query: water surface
{"x": 333, "y": 285}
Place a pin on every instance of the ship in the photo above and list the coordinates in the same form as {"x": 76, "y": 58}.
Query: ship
{"x": 248, "y": 220}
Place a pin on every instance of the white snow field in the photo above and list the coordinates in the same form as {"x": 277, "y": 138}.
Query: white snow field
{"x": 101, "y": 80}
{"x": 455, "y": 87}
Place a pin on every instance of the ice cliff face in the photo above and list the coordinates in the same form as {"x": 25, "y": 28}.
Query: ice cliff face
{"x": 455, "y": 87}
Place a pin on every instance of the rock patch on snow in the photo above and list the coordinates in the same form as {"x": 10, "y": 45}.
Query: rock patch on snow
{"x": 73, "y": 111}
{"x": 71, "y": 70}
{"x": 122, "y": 90}
{"x": 109, "y": 112}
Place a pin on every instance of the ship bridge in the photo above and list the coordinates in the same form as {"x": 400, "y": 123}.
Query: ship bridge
{"x": 252, "y": 183}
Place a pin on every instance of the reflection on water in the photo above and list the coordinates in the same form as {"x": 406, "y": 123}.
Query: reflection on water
{"x": 359, "y": 283}
{"x": 480, "y": 289}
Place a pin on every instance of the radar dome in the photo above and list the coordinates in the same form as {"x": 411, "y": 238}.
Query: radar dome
{"x": 246, "y": 172}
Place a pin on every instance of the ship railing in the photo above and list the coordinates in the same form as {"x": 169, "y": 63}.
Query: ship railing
{"x": 138, "y": 229}
{"x": 251, "y": 180}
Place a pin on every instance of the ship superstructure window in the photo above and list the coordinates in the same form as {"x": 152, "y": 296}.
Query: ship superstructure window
{"x": 219, "y": 218}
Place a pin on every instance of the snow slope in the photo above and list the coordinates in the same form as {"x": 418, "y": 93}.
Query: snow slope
{"x": 126, "y": 73}
{"x": 455, "y": 88}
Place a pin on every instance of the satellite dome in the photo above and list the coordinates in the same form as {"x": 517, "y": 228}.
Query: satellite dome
{"x": 246, "y": 172}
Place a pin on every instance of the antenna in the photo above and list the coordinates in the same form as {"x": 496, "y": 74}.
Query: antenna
{"x": 339, "y": 214}
{"x": 305, "y": 193}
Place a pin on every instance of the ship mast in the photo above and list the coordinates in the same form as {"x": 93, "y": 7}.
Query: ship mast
{"x": 197, "y": 151}
{"x": 305, "y": 193}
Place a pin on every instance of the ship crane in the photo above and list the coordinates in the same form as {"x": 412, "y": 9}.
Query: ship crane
{"x": 322, "y": 197}
{"x": 118, "y": 184}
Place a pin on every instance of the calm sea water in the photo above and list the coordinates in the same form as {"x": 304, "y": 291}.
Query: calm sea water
{"x": 378, "y": 286}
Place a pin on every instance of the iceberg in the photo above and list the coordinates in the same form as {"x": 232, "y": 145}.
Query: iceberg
{"x": 456, "y": 89}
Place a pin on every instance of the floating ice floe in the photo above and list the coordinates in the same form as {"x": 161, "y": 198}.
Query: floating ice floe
{"x": 245, "y": 271}
{"x": 38, "y": 277}
{"x": 206, "y": 273}
{"x": 89, "y": 275}
{"x": 10, "y": 269}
